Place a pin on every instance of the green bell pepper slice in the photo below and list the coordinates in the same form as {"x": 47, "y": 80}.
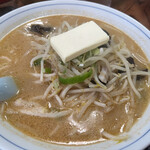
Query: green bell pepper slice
{"x": 76, "y": 79}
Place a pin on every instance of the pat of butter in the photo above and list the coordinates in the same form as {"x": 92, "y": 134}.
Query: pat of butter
{"x": 79, "y": 40}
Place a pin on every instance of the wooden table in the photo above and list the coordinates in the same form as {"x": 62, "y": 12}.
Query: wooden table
{"x": 138, "y": 9}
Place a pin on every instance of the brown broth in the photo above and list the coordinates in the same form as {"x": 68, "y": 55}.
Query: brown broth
{"x": 15, "y": 45}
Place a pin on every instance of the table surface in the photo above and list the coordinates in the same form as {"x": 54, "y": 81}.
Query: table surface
{"x": 138, "y": 9}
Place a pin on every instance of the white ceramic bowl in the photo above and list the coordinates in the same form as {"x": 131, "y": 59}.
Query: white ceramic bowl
{"x": 10, "y": 138}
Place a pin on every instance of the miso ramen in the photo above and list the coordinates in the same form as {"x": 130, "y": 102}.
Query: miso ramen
{"x": 94, "y": 97}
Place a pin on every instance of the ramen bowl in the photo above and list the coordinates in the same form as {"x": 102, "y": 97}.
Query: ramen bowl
{"x": 139, "y": 135}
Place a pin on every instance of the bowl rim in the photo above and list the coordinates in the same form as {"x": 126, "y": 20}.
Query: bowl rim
{"x": 127, "y": 18}
{"x": 111, "y": 10}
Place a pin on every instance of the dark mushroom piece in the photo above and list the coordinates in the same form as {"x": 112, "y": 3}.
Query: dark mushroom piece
{"x": 131, "y": 60}
{"x": 139, "y": 77}
{"x": 41, "y": 30}
{"x": 106, "y": 45}
{"x": 120, "y": 71}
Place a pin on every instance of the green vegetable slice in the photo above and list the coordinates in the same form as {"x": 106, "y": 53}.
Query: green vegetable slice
{"x": 37, "y": 62}
{"x": 48, "y": 70}
{"x": 76, "y": 79}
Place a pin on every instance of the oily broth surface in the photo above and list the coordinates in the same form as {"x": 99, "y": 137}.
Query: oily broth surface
{"x": 15, "y": 46}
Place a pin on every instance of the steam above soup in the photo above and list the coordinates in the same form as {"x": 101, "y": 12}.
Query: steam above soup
{"x": 96, "y": 96}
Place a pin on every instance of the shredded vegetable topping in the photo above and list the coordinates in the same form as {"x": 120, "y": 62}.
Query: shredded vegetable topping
{"x": 107, "y": 72}
{"x": 103, "y": 77}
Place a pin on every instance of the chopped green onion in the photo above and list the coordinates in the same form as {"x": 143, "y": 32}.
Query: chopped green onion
{"x": 95, "y": 51}
{"x": 64, "y": 72}
{"x": 76, "y": 79}
{"x": 37, "y": 62}
{"x": 80, "y": 57}
{"x": 56, "y": 85}
{"x": 47, "y": 70}
{"x": 87, "y": 55}
{"x": 54, "y": 109}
